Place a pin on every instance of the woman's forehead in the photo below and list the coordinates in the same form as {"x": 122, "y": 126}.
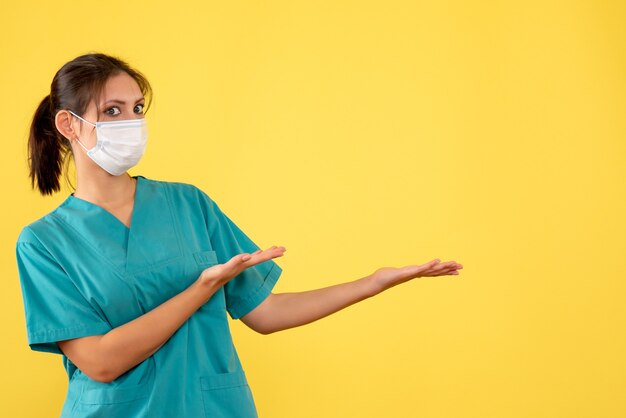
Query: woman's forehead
{"x": 121, "y": 87}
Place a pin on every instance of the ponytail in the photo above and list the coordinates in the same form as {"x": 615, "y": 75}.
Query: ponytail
{"x": 45, "y": 150}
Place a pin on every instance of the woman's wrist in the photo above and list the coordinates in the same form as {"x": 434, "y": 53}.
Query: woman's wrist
{"x": 371, "y": 286}
{"x": 205, "y": 287}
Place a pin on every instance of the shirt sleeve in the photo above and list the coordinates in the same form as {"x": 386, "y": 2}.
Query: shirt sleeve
{"x": 249, "y": 288}
{"x": 55, "y": 310}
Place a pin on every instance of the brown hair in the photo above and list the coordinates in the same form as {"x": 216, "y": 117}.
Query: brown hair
{"x": 73, "y": 87}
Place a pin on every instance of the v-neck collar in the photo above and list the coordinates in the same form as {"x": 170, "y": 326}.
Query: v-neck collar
{"x": 115, "y": 219}
{"x": 152, "y": 239}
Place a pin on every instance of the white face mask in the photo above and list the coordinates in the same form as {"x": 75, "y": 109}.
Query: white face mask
{"x": 119, "y": 144}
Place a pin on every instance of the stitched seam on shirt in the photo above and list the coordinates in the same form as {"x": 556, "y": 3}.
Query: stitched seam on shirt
{"x": 266, "y": 284}
{"x": 52, "y": 332}
{"x": 175, "y": 222}
{"x": 154, "y": 267}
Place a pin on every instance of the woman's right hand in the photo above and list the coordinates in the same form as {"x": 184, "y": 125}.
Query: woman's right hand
{"x": 219, "y": 274}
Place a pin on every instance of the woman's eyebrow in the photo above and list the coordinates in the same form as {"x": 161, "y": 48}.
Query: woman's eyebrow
{"x": 117, "y": 101}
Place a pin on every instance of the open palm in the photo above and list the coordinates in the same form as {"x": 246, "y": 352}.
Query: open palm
{"x": 387, "y": 277}
{"x": 222, "y": 273}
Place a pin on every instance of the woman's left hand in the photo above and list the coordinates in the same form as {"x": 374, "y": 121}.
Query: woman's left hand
{"x": 387, "y": 277}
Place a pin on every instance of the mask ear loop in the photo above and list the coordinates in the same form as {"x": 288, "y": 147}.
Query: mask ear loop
{"x": 77, "y": 140}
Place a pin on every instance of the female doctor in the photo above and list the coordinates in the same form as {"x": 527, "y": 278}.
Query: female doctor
{"x": 130, "y": 278}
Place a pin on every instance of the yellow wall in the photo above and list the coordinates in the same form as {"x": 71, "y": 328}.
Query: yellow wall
{"x": 362, "y": 134}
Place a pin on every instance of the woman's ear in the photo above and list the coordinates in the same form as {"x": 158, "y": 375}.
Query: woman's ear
{"x": 63, "y": 123}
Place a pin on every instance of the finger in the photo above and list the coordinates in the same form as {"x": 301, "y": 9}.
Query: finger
{"x": 442, "y": 271}
{"x": 446, "y": 265}
{"x": 431, "y": 266}
{"x": 273, "y": 251}
{"x": 242, "y": 258}
{"x": 440, "y": 267}
{"x": 235, "y": 262}
{"x": 420, "y": 270}
{"x": 443, "y": 268}
{"x": 259, "y": 251}
{"x": 260, "y": 256}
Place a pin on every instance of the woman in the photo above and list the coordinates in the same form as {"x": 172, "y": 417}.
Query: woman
{"x": 130, "y": 278}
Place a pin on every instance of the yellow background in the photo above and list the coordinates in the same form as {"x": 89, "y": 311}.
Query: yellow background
{"x": 363, "y": 134}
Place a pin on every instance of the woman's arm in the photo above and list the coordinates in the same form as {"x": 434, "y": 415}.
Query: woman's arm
{"x": 105, "y": 357}
{"x": 287, "y": 310}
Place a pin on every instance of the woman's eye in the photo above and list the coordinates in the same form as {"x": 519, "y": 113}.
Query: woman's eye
{"x": 139, "y": 108}
{"x": 113, "y": 111}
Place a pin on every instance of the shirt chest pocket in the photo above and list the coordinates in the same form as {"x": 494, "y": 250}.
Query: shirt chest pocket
{"x": 205, "y": 258}
{"x": 161, "y": 283}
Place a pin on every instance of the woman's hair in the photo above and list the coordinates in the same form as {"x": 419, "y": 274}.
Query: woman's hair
{"x": 73, "y": 87}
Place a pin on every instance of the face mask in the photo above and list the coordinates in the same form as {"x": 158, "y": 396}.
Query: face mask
{"x": 119, "y": 144}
